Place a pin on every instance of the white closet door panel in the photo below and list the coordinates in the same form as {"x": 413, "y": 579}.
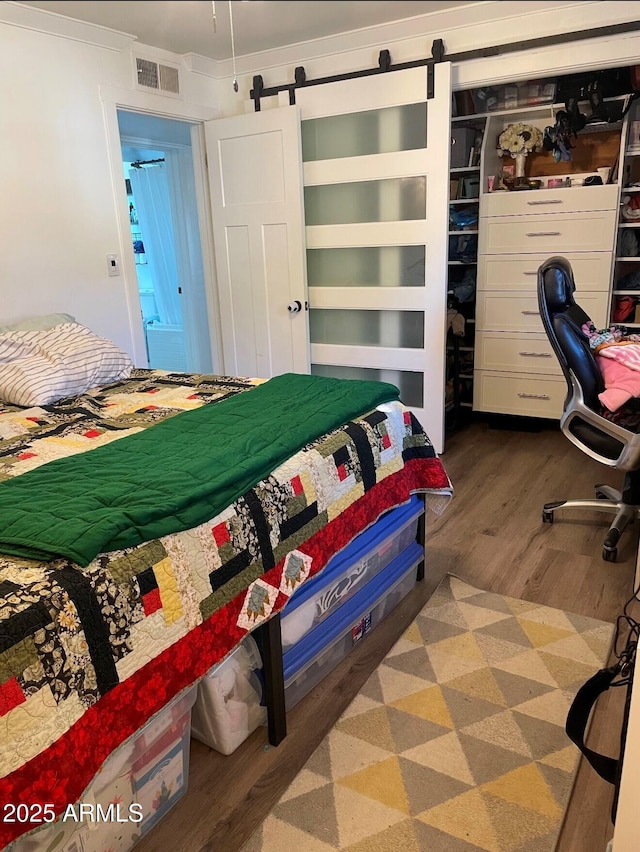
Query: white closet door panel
{"x": 369, "y": 167}
{"x": 385, "y": 298}
{"x": 375, "y": 357}
{"x": 243, "y": 305}
{"x": 255, "y": 182}
{"x": 427, "y": 168}
{"x": 369, "y": 234}
{"x": 363, "y": 93}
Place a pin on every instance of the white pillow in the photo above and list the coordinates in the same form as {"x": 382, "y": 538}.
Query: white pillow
{"x": 40, "y": 367}
{"x": 39, "y": 323}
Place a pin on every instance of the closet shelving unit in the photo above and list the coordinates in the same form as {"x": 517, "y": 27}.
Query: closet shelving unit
{"x": 626, "y": 264}
{"x": 460, "y": 348}
{"x": 514, "y": 370}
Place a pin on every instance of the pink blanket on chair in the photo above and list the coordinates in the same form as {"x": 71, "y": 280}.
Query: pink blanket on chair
{"x": 618, "y": 356}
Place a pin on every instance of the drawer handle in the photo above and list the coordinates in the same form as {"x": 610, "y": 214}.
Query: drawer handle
{"x": 544, "y": 234}
{"x": 530, "y": 273}
{"x": 546, "y": 201}
{"x": 530, "y": 313}
{"x": 535, "y": 354}
{"x": 533, "y": 396}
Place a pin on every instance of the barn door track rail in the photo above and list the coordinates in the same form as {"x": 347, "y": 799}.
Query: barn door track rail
{"x": 438, "y": 54}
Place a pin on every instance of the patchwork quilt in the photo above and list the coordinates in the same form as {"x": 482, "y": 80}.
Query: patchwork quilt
{"x": 89, "y": 653}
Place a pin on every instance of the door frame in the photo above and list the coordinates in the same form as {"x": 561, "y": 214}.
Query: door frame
{"x": 192, "y": 336}
{"x": 121, "y": 99}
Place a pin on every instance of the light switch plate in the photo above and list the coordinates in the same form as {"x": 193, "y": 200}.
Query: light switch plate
{"x": 113, "y": 265}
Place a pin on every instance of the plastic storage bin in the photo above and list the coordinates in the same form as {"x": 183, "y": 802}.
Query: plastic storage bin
{"x": 135, "y": 788}
{"x": 349, "y": 570}
{"x": 229, "y": 705}
{"x": 311, "y": 659}
{"x": 161, "y": 760}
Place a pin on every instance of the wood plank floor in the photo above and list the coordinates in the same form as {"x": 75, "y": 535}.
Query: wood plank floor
{"x": 491, "y": 535}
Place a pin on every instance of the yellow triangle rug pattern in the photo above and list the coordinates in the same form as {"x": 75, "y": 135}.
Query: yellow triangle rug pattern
{"x": 456, "y": 743}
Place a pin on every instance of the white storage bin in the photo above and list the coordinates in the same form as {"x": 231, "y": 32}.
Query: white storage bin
{"x": 349, "y": 570}
{"x": 134, "y": 789}
{"x": 328, "y": 644}
{"x": 229, "y": 704}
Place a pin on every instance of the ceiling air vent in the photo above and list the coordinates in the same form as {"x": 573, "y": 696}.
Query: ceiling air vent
{"x": 153, "y": 75}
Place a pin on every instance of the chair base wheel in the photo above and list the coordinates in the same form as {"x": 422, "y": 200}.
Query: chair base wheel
{"x": 547, "y": 517}
{"x": 610, "y": 547}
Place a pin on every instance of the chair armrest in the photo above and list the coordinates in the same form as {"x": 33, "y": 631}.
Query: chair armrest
{"x": 629, "y": 457}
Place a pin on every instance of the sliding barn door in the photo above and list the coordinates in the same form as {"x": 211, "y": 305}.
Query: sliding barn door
{"x": 255, "y": 183}
{"x": 376, "y": 153}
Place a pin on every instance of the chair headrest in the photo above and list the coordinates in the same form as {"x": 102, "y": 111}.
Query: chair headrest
{"x": 559, "y": 285}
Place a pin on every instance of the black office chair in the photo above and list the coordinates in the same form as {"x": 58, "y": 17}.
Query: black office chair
{"x": 581, "y": 421}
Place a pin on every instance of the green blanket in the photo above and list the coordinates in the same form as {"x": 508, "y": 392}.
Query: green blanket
{"x": 176, "y": 474}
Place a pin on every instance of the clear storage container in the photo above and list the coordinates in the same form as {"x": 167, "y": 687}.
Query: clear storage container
{"x": 349, "y": 570}
{"x": 230, "y": 703}
{"x": 134, "y": 789}
{"x": 311, "y": 659}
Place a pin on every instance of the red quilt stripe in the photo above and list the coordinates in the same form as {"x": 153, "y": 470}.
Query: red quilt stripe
{"x": 11, "y": 695}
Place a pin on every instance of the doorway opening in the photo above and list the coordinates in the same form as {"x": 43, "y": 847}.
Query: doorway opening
{"x": 158, "y": 170}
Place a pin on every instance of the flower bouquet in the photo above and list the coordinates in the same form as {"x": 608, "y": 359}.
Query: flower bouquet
{"x": 518, "y": 140}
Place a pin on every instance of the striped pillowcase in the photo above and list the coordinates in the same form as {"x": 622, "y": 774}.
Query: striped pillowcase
{"x": 40, "y": 367}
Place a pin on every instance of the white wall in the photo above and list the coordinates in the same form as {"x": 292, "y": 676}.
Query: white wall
{"x": 58, "y": 213}
{"x": 63, "y": 206}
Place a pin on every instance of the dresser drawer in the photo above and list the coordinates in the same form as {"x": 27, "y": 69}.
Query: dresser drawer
{"x": 504, "y": 311}
{"x": 515, "y": 393}
{"x": 574, "y": 199}
{"x": 591, "y": 271}
{"x": 555, "y": 233}
{"x": 516, "y": 353}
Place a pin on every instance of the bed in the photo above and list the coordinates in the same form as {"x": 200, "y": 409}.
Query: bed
{"x": 113, "y": 602}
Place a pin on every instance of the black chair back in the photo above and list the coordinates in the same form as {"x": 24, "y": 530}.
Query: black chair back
{"x": 562, "y": 319}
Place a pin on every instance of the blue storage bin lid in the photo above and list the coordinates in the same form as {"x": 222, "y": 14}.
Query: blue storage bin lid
{"x": 389, "y": 523}
{"x": 345, "y": 616}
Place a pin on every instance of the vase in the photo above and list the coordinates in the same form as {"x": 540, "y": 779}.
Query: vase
{"x": 521, "y": 159}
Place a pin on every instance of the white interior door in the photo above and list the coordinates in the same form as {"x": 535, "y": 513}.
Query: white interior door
{"x": 376, "y": 155}
{"x": 255, "y": 180}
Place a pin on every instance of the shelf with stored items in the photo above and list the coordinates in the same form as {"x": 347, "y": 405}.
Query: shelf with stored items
{"x": 561, "y": 207}
{"x": 464, "y": 190}
{"x": 625, "y": 307}
{"x": 562, "y": 197}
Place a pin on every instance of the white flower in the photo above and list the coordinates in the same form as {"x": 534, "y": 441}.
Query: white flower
{"x": 519, "y": 138}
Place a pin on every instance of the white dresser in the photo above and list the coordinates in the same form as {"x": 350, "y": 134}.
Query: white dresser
{"x": 516, "y": 371}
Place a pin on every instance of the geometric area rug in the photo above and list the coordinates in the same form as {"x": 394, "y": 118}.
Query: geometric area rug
{"x": 456, "y": 743}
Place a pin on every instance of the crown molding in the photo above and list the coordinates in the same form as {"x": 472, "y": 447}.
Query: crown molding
{"x": 41, "y": 20}
{"x": 468, "y": 27}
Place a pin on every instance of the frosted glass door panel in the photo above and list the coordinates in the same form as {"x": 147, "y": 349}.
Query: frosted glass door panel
{"x": 403, "y": 329}
{"x": 409, "y": 384}
{"x": 376, "y": 131}
{"x": 366, "y": 266}
{"x": 376, "y": 207}
{"x": 394, "y": 200}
